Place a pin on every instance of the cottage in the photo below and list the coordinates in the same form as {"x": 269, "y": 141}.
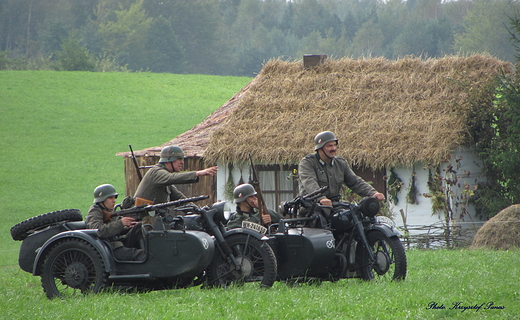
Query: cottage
{"x": 401, "y": 124}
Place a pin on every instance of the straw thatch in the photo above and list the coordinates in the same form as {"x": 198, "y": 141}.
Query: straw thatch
{"x": 501, "y": 231}
{"x": 384, "y": 112}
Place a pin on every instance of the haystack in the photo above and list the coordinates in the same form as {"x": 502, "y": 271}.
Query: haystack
{"x": 500, "y": 232}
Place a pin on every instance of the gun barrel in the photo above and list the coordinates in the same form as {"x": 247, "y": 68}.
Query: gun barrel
{"x": 316, "y": 193}
{"x": 152, "y": 207}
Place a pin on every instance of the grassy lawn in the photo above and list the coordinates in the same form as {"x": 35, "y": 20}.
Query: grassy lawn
{"x": 59, "y": 133}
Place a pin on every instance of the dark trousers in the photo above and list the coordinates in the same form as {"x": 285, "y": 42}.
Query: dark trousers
{"x": 131, "y": 249}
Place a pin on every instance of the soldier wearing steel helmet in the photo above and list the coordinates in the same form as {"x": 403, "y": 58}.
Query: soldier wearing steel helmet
{"x": 123, "y": 233}
{"x": 158, "y": 184}
{"x": 323, "y": 168}
{"x": 247, "y": 208}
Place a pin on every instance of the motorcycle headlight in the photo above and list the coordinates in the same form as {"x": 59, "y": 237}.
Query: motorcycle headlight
{"x": 222, "y": 212}
{"x": 369, "y": 207}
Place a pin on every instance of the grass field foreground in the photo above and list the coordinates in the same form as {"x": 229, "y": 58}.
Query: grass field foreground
{"x": 441, "y": 284}
{"x": 59, "y": 133}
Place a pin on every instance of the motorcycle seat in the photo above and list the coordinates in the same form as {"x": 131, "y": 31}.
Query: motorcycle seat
{"x": 76, "y": 225}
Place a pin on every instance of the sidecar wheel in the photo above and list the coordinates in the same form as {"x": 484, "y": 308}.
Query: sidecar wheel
{"x": 22, "y": 230}
{"x": 390, "y": 258}
{"x": 72, "y": 268}
{"x": 257, "y": 259}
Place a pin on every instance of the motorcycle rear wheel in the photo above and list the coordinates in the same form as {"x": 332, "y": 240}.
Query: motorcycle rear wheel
{"x": 256, "y": 258}
{"x": 390, "y": 258}
{"x": 72, "y": 268}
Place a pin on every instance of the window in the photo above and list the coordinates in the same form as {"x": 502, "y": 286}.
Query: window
{"x": 278, "y": 183}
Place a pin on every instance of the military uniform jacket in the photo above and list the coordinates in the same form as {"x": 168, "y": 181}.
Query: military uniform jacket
{"x": 158, "y": 184}
{"x": 235, "y": 221}
{"x": 112, "y": 228}
{"x": 314, "y": 173}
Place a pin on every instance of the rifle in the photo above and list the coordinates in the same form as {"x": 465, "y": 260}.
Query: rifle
{"x": 256, "y": 184}
{"x": 140, "y": 211}
{"x": 139, "y": 175}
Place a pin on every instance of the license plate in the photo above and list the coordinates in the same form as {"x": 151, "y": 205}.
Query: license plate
{"x": 385, "y": 220}
{"x": 254, "y": 226}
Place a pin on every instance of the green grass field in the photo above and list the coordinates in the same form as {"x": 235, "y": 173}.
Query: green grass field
{"x": 59, "y": 133}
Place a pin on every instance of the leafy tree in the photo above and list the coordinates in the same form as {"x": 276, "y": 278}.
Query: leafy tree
{"x": 368, "y": 41}
{"x": 198, "y": 26}
{"x": 52, "y": 34}
{"x": 423, "y": 38}
{"x": 165, "y": 54}
{"x": 393, "y": 17}
{"x": 499, "y": 140}
{"x": 310, "y": 16}
{"x": 125, "y": 37}
{"x": 485, "y": 29}
{"x": 73, "y": 56}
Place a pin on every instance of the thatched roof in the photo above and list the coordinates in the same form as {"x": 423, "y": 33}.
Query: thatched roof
{"x": 501, "y": 231}
{"x": 384, "y": 112}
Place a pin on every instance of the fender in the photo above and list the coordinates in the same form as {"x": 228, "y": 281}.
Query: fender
{"x": 88, "y": 235}
{"x": 250, "y": 232}
{"x": 385, "y": 229}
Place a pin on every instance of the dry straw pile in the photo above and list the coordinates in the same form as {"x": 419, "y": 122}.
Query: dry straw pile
{"x": 384, "y": 112}
{"x": 501, "y": 231}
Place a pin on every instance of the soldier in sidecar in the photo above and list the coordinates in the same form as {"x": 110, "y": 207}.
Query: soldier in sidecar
{"x": 124, "y": 232}
{"x": 73, "y": 260}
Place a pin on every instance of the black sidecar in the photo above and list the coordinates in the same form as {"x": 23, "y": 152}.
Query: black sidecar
{"x": 72, "y": 260}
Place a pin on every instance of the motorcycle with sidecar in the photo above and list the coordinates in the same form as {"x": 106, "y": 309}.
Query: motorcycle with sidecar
{"x": 347, "y": 240}
{"x": 72, "y": 260}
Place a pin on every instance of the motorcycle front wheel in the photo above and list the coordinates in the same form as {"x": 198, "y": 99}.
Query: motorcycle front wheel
{"x": 256, "y": 260}
{"x": 390, "y": 258}
{"x": 72, "y": 268}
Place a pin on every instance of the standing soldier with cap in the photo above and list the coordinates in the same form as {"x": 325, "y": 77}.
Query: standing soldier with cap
{"x": 323, "y": 168}
{"x": 157, "y": 185}
{"x": 247, "y": 208}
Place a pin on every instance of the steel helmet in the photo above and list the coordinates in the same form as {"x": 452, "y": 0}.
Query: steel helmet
{"x": 243, "y": 191}
{"x": 171, "y": 153}
{"x": 322, "y": 138}
{"x": 104, "y": 191}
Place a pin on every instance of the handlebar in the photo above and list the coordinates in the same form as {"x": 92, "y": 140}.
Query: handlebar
{"x": 308, "y": 197}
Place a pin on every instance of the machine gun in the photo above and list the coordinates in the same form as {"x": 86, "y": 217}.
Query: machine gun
{"x": 292, "y": 207}
{"x": 139, "y": 211}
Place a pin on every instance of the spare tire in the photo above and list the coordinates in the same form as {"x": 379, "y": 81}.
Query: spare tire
{"x": 22, "y": 230}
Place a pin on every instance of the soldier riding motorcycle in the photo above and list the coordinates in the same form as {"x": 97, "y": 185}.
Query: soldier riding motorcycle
{"x": 328, "y": 238}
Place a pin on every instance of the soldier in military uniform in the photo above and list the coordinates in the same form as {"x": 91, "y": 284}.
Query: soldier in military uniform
{"x": 122, "y": 233}
{"x": 323, "y": 168}
{"x": 158, "y": 186}
{"x": 247, "y": 208}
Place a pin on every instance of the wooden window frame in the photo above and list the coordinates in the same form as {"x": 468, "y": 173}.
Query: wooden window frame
{"x": 277, "y": 192}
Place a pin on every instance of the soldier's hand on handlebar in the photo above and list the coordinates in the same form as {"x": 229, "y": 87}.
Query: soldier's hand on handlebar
{"x": 379, "y": 196}
{"x": 326, "y": 202}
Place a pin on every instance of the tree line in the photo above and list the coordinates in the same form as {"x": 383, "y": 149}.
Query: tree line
{"x": 234, "y": 37}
